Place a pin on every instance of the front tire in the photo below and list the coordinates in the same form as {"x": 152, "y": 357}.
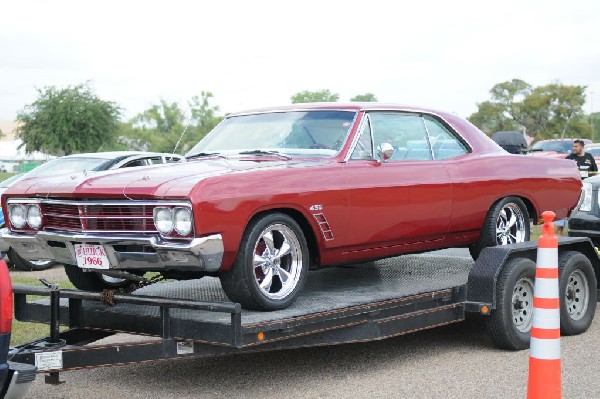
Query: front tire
{"x": 94, "y": 281}
{"x": 577, "y": 290}
{"x": 510, "y": 323}
{"x": 507, "y": 222}
{"x": 27, "y": 265}
{"x": 271, "y": 265}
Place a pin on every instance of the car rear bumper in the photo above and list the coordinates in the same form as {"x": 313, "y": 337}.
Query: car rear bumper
{"x": 123, "y": 251}
{"x": 20, "y": 378}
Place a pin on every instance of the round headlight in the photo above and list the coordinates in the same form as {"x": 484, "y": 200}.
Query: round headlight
{"x": 17, "y": 216}
{"x": 163, "y": 220}
{"x": 34, "y": 216}
{"x": 183, "y": 221}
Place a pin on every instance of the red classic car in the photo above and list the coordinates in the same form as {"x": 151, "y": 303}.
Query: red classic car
{"x": 270, "y": 193}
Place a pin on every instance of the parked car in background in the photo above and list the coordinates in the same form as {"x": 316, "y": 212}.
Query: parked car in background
{"x": 594, "y": 149}
{"x": 79, "y": 163}
{"x": 512, "y": 142}
{"x": 271, "y": 192}
{"x": 586, "y": 222}
{"x": 555, "y": 148}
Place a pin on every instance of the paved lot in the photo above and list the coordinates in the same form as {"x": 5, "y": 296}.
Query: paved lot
{"x": 453, "y": 361}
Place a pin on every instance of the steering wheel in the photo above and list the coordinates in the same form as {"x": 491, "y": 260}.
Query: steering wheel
{"x": 319, "y": 145}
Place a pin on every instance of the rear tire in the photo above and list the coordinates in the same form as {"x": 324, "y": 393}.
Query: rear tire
{"x": 578, "y": 293}
{"x": 507, "y": 222}
{"x": 509, "y": 325}
{"x": 27, "y": 265}
{"x": 93, "y": 281}
{"x": 271, "y": 265}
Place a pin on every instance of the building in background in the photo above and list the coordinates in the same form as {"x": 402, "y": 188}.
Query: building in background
{"x": 13, "y": 159}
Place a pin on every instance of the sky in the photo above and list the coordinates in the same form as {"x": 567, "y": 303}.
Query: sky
{"x": 439, "y": 54}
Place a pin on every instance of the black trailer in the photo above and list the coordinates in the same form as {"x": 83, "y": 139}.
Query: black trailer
{"x": 353, "y": 303}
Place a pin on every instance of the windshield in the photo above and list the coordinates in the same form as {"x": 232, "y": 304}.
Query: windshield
{"x": 563, "y": 147}
{"x": 67, "y": 165}
{"x": 305, "y": 133}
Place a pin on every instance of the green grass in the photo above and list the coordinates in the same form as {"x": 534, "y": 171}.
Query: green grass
{"x": 4, "y": 176}
{"x": 24, "y": 332}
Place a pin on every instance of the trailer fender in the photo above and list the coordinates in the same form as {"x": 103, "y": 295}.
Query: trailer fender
{"x": 483, "y": 277}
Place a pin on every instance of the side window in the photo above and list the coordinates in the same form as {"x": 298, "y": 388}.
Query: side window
{"x": 364, "y": 147}
{"x": 405, "y": 132}
{"x": 154, "y": 160}
{"x": 135, "y": 163}
{"x": 445, "y": 144}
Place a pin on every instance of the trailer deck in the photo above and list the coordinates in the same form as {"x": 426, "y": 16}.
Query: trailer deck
{"x": 351, "y": 303}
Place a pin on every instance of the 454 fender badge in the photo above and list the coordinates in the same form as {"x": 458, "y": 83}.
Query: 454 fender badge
{"x": 316, "y": 207}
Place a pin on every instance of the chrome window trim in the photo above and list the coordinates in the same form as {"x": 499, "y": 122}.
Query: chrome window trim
{"x": 427, "y": 137}
{"x": 366, "y": 120}
{"x": 300, "y": 109}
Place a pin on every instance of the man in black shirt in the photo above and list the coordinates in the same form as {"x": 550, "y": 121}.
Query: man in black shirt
{"x": 585, "y": 162}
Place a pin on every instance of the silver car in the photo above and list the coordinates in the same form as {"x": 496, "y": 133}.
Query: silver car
{"x": 77, "y": 163}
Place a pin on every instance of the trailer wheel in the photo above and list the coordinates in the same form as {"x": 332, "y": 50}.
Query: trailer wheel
{"x": 510, "y": 323}
{"x": 507, "y": 222}
{"x": 271, "y": 264}
{"x": 93, "y": 281}
{"x": 577, "y": 290}
{"x": 28, "y": 265}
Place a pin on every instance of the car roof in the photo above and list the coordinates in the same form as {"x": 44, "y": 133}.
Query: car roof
{"x": 339, "y": 106}
{"x": 587, "y": 141}
{"x": 119, "y": 154}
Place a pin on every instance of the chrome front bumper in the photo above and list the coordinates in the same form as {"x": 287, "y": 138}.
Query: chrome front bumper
{"x": 4, "y": 247}
{"x": 124, "y": 252}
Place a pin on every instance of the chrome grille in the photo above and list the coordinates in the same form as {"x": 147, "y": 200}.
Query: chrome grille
{"x": 99, "y": 217}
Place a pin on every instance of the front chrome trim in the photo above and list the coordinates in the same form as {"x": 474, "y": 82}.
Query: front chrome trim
{"x": 122, "y": 202}
{"x": 197, "y": 254}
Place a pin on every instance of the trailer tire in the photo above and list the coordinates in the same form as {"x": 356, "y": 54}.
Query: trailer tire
{"x": 577, "y": 291}
{"x": 509, "y": 325}
{"x": 93, "y": 281}
{"x": 25, "y": 265}
{"x": 492, "y": 225}
{"x": 255, "y": 280}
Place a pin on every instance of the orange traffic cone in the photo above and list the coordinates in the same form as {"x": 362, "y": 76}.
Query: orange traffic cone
{"x": 544, "y": 356}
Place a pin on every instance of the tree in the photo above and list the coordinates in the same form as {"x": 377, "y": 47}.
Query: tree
{"x": 161, "y": 127}
{"x": 367, "y": 97}
{"x": 66, "y": 121}
{"x": 553, "y": 110}
{"x": 307, "y": 96}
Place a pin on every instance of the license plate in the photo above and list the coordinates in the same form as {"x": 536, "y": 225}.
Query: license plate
{"x": 91, "y": 256}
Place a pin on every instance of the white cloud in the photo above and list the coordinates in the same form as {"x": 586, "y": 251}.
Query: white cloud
{"x": 435, "y": 53}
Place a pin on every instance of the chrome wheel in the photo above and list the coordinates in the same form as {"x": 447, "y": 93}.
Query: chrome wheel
{"x": 577, "y": 295}
{"x": 522, "y": 301}
{"x": 510, "y": 225}
{"x": 277, "y": 261}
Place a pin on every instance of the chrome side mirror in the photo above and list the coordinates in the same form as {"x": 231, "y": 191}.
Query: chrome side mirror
{"x": 385, "y": 152}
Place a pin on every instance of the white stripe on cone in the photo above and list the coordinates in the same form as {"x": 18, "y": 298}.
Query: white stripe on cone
{"x": 547, "y": 258}
{"x": 545, "y": 349}
{"x": 546, "y": 318}
{"x": 546, "y": 287}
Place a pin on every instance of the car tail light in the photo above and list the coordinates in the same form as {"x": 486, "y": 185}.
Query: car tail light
{"x": 6, "y": 299}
